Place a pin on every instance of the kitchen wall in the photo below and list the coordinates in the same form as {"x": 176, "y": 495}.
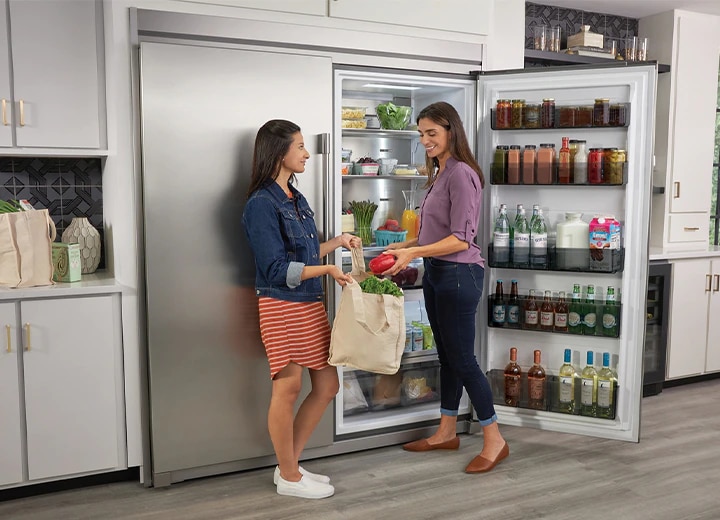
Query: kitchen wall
{"x": 66, "y": 187}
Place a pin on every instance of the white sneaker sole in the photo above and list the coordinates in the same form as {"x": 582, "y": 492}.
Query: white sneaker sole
{"x": 324, "y": 479}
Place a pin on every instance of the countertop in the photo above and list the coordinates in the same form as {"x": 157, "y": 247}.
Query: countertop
{"x": 657, "y": 253}
{"x": 96, "y": 283}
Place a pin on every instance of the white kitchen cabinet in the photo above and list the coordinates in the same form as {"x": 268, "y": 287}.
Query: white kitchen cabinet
{"x": 5, "y": 90}
{"x": 71, "y": 386}
{"x": 55, "y": 49}
{"x": 314, "y": 7}
{"x": 694, "y": 335}
{"x": 428, "y": 14}
{"x": 11, "y": 460}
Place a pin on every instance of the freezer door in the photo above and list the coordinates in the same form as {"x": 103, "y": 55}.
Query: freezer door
{"x": 209, "y": 377}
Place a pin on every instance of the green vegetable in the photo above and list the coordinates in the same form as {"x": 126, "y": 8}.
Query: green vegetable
{"x": 363, "y": 211}
{"x": 374, "y": 285}
{"x": 393, "y": 117}
{"x": 10, "y": 206}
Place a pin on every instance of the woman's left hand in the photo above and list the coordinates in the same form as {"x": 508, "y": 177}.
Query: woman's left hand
{"x": 349, "y": 241}
{"x": 402, "y": 259}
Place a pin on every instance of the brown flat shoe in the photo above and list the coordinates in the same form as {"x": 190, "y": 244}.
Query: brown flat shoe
{"x": 424, "y": 445}
{"x": 481, "y": 464}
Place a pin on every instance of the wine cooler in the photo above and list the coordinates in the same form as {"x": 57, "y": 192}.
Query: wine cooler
{"x": 656, "y": 327}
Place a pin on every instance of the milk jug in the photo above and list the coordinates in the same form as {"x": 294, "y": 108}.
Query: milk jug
{"x": 571, "y": 245}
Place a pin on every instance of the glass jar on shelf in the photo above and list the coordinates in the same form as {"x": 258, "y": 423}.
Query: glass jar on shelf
{"x": 531, "y": 115}
{"x": 601, "y": 112}
{"x": 516, "y": 120}
{"x": 547, "y": 114}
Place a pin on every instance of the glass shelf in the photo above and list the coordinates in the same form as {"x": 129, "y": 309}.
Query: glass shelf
{"x": 566, "y": 259}
{"x": 389, "y": 177}
{"x": 560, "y": 116}
{"x": 379, "y": 132}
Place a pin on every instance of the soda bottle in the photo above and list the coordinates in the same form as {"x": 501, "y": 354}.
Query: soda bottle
{"x": 498, "y": 306}
{"x": 610, "y": 314}
{"x": 513, "y": 373}
{"x": 538, "y": 241}
{"x": 606, "y": 390}
{"x": 561, "y": 313}
{"x": 575, "y": 312}
{"x": 501, "y": 237}
{"x": 512, "y": 313}
{"x": 566, "y": 381}
{"x": 588, "y": 382}
{"x": 521, "y": 239}
{"x": 547, "y": 312}
{"x": 590, "y": 317}
{"x": 531, "y": 314}
{"x": 536, "y": 384}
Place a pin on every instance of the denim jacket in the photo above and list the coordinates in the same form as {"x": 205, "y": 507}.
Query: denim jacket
{"x": 284, "y": 239}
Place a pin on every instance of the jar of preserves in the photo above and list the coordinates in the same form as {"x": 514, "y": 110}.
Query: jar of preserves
{"x": 531, "y": 115}
{"x": 617, "y": 115}
{"x": 595, "y": 166}
{"x": 528, "y": 164}
{"x": 584, "y": 116}
{"x": 517, "y": 113}
{"x": 568, "y": 116}
{"x": 546, "y": 164}
{"x": 503, "y": 113}
{"x": 601, "y": 112}
{"x": 547, "y": 113}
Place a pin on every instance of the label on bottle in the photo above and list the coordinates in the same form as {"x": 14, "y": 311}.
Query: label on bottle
{"x": 539, "y": 244}
{"x": 498, "y": 315}
{"x": 604, "y": 395}
{"x": 536, "y": 389}
{"x": 608, "y": 321}
{"x": 586, "y": 392}
{"x": 531, "y": 317}
{"x": 567, "y": 389}
{"x": 521, "y": 240}
{"x": 546, "y": 319}
{"x": 512, "y": 387}
{"x": 501, "y": 239}
{"x": 590, "y": 319}
{"x": 513, "y": 314}
{"x": 573, "y": 319}
{"x": 561, "y": 319}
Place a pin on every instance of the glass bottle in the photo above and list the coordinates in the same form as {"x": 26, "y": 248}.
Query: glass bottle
{"x": 595, "y": 166}
{"x": 536, "y": 383}
{"x": 566, "y": 381}
{"x": 580, "y": 164}
{"x": 547, "y": 312}
{"x": 528, "y": 164}
{"x": 538, "y": 241}
{"x": 499, "y": 165}
{"x": 588, "y": 383}
{"x": 501, "y": 237}
{"x": 606, "y": 389}
{"x": 533, "y": 218}
{"x": 547, "y": 113}
{"x": 545, "y": 164}
{"x": 564, "y": 164}
{"x": 610, "y": 314}
{"x": 575, "y": 311}
{"x": 513, "y": 374}
{"x": 590, "y": 317}
{"x": 498, "y": 305}
{"x": 512, "y": 315}
{"x": 521, "y": 239}
{"x": 409, "y": 217}
{"x": 561, "y": 313}
{"x": 531, "y": 315}
{"x": 513, "y": 164}
{"x": 601, "y": 112}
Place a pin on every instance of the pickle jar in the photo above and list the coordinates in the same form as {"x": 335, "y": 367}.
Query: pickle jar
{"x": 517, "y": 113}
{"x": 547, "y": 113}
{"x": 607, "y": 165}
{"x": 531, "y": 115}
{"x": 601, "y": 112}
{"x": 613, "y": 166}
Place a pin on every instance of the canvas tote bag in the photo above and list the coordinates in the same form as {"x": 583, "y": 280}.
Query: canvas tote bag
{"x": 369, "y": 329}
{"x": 26, "y": 248}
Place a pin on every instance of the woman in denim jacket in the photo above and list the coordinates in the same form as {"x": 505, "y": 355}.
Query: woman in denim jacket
{"x": 293, "y": 322}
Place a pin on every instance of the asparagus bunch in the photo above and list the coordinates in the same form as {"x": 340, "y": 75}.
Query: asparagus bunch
{"x": 10, "y": 206}
{"x": 364, "y": 211}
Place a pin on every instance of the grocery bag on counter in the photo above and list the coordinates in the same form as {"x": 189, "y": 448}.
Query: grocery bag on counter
{"x": 369, "y": 329}
{"x": 25, "y": 248}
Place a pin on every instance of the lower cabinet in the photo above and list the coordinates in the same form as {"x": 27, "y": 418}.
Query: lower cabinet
{"x": 62, "y": 394}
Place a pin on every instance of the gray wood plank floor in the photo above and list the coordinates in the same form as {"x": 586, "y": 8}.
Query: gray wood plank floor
{"x": 672, "y": 474}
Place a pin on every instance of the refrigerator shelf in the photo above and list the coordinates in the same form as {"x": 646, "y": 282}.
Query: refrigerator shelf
{"x": 379, "y": 132}
{"x": 496, "y": 174}
{"x": 625, "y": 120}
{"x": 563, "y": 260}
{"x": 390, "y": 177}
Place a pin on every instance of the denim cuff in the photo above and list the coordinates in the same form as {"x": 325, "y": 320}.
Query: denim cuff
{"x": 488, "y": 422}
{"x": 451, "y": 413}
{"x": 294, "y": 273}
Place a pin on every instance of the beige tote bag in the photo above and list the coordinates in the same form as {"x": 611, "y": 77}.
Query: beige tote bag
{"x": 369, "y": 329}
{"x": 26, "y": 248}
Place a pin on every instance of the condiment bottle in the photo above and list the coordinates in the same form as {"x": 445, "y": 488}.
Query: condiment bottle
{"x": 579, "y": 163}
{"x": 546, "y": 163}
{"x": 499, "y": 166}
{"x": 528, "y": 164}
{"x": 564, "y": 162}
{"x": 513, "y": 164}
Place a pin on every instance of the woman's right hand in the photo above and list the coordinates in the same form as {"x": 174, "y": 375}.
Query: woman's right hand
{"x": 341, "y": 278}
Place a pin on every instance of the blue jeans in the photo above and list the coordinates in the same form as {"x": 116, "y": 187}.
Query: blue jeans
{"x": 452, "y": 292}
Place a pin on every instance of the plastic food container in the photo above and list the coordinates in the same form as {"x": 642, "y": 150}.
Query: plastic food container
{"x": 346, "y": 168}
{"x": 404, "y": 169}
{"x": 366, "y": 168}
{"x": 354, "y": 123}
{"x": 345, "y": 155}
{"x": 385, "y": 238}
{"x": 353, "y": 112}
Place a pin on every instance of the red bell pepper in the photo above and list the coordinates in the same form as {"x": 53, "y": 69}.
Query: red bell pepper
{"x": 381, "y": 263}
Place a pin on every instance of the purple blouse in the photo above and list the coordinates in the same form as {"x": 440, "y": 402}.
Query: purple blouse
{"x": 452, "y": 207}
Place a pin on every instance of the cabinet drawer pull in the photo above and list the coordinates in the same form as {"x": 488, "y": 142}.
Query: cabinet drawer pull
{"x": 9, "y": 339}
{"x": 708, "y": 282}
{"x": 691, "y": 228}
{"x": 716, "y": 287}
{"x": 676, "y": 189}
{"x": 4, "y": 112}
{"x": 28, "y": 343}
{"x": 22, "y": 122}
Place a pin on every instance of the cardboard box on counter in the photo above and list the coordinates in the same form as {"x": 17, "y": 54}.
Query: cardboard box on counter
{"x": 66, "y": 262}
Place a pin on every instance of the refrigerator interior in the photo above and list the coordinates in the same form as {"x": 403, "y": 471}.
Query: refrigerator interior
{"x": 629, "y": 203}
{"x": 370, "y": 402}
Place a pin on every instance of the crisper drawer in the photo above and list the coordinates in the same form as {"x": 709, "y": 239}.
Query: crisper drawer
{"x": 688, "y": 227}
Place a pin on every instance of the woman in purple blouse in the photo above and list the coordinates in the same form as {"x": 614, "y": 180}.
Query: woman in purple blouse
{"x": 453, "y": 280}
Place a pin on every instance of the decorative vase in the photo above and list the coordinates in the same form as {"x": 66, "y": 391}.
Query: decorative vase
{"x": 81, "y": 232}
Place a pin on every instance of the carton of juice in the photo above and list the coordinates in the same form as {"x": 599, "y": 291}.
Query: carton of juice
{"x": 604, "y": 242}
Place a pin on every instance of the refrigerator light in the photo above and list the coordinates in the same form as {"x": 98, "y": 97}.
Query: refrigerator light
{"x": 399, "y": 87}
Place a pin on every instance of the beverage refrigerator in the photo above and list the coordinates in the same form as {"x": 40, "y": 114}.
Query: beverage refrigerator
{"x": 370, "y": 404}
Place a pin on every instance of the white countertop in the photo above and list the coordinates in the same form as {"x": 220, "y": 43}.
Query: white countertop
{"x": 96, "y": 283}
{"x": 657, "y": 253}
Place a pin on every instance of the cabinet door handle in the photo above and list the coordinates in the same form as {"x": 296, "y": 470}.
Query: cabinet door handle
{"x": 22, "y": 118}
{"x": 4, "y": 112}
{"x": 676, "y": 185}
{"x": 708, "y": 282}
{"x": 686, "y": 228}
{"x": 9, "y": 339}
{"x": 28, "y": 343}
{"x": 716, "y": 287}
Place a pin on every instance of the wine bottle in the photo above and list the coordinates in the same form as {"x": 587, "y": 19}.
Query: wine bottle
{"x": 588, "y": 382}
{"x": 606, "y": 390}
{"x": 513, "y": 373}
{"x": 566, "y": 379}
{"x": 536, "y": 384}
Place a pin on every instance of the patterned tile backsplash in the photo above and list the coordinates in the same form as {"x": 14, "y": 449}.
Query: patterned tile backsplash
{"x": 570, "y": 21}
{"x": 66, "y": 187}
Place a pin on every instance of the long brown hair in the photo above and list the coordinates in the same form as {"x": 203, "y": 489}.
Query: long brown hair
{"x": 272, "y": 143}
{"x": 445, "y": 115}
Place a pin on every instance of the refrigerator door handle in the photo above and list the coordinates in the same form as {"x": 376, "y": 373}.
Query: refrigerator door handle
{"x": 323, "y": 147}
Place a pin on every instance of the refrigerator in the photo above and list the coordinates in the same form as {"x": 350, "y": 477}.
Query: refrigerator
{"x": 208, "y": 379}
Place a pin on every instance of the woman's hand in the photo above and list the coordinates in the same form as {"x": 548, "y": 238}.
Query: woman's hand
{"x": 402, "y": 259}
{"x": 349, "y": 241}
{"x": 341, "y": 278}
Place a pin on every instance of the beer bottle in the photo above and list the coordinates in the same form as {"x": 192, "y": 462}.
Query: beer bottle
{"x": 513, "y": 373}
{"x": 575, "y": 312}
{"x": 547, "y": 312}
{"x": 531, "y": 315}
{"x": 590, "y": 318}
{"x": 610, "y": 314}
{"x": 498, "y": 306}
{"x": 512, "y": 313}
{"x": 561, "y": 313}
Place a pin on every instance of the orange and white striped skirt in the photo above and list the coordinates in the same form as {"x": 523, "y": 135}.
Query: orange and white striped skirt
{"x": 294, "y": 331}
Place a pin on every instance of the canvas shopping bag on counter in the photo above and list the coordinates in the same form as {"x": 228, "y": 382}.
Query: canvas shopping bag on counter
{"x": 25, "y": 248}
{"x": 369, "y": 329}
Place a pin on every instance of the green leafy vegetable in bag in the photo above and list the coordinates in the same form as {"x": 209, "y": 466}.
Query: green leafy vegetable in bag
{"x": 374, "y": 285}
{"x": 393, "y": 117}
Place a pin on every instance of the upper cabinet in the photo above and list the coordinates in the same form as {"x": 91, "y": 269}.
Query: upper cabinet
{"x": 316, "y": 7}
{"x": 466, "y": 16}
{"x": 55, "y": 69}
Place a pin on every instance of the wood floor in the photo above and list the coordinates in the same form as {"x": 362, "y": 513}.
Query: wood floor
{"x": 672, "y": 474}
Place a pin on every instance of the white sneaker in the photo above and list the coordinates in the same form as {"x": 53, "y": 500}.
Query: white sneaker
{"x": 313, "y": 476}
{"x": 304, "y": 488}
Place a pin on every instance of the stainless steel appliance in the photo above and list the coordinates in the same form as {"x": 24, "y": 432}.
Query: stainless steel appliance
{"x": 656, "y": 327}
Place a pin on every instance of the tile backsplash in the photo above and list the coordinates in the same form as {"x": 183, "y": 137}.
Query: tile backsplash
{"x": 66, "y": 187}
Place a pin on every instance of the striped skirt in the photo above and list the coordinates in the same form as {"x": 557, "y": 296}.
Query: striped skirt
{"x": 294, "y": 331}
